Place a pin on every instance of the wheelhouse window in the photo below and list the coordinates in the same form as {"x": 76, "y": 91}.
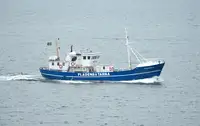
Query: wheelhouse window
{"x": 63, "y": 64}
{"x": 52, "y": 63}
{"x": 104, "y": 67}
{"x": 95, "y": 57}
{"x": 58, "y": 63}
{"x": 88, "y": 57}
{"x": 84, "y": 57}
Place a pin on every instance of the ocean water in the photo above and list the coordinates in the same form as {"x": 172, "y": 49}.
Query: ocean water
{"x": 158, "y": 29}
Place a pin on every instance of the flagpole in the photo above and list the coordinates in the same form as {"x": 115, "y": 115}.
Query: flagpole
{"x": 57, "y": 49}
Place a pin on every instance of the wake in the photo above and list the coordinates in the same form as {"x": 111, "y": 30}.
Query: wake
{"x": 20, "y": 77}
{"x": 154, "y": 80}
{"x": 26, "y": 77}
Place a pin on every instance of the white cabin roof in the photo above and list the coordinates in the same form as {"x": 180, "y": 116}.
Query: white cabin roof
{"x": 90, "y": 53}
{"x": 72, "y": 53}
{"x": 53, "y": 58}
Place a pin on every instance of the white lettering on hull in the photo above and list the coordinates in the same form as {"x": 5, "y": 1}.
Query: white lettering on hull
{"x": 94, "y": 74}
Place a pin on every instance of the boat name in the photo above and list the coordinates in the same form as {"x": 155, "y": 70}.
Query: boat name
{"x": 94, "y": 74}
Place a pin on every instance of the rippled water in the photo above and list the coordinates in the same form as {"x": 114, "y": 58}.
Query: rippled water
{"x": 159, "y": 29}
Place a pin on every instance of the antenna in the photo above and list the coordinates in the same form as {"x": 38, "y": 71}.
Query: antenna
{"x": 71, "y": 48}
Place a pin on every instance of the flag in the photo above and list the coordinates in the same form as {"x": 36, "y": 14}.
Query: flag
{"x": 49, "y": 43}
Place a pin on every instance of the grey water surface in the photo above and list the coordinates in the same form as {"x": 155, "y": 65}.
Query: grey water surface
{"x": 165, "y": 29}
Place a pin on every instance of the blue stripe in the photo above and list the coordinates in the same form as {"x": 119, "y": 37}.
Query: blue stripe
{"x": 104, "y": 76}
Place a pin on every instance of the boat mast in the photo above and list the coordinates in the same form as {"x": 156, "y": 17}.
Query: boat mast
{"x": 138, "y": 56}
{"x": 57, "y": 48}
{"x": 128, "y": 51}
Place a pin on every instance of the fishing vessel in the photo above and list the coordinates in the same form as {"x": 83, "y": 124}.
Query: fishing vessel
{"x": 85, "y": 66}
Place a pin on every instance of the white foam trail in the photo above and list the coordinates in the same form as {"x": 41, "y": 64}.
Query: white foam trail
{"x": 146, "y": 81}
{"x": 19, "y": 77}
{"x": 73, "y": 82}
{"x": 141, "y": 81}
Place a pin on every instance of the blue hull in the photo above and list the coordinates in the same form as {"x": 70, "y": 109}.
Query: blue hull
{"x": 126, "y": 75}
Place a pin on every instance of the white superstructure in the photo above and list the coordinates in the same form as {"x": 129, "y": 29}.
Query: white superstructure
{"x": 85, "y": 61}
